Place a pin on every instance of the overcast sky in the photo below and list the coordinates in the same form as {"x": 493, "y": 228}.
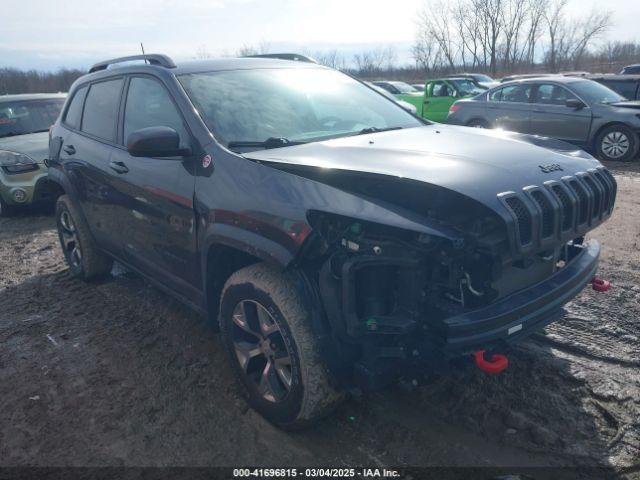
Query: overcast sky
{"x": 47, "y": 34}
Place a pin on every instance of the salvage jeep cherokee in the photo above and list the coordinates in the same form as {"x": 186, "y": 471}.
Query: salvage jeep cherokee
{"x": 338, "y": 241}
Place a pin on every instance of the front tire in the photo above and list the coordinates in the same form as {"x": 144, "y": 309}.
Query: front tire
{"x": 80, "y": 251}
{"x": 617, "y": 143}
{"x": 267, "y": 332}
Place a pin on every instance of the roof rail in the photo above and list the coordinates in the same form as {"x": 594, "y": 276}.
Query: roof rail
{"x": 153, "y": 58}
{"x": 295, "y": 57}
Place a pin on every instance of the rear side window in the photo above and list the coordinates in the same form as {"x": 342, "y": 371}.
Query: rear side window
{"x": 74, "y": 112}
{"x": 512, "y": 93}
{"x": 149, "y": 105}
{"x": 101, "y": 109}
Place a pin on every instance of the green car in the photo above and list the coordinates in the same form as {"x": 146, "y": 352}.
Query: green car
{"x": 24, "y": 146}
{"x": 438, "y": 96}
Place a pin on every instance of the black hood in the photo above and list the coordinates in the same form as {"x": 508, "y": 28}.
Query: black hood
{"x": 476, "y": 163}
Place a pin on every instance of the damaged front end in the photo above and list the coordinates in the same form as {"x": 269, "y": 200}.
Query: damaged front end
{"x": 402, "y": 303}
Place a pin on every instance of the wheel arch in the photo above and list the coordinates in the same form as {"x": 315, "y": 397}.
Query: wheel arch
{"x": 604, "y": 126}
{"x": 226, "y": 250}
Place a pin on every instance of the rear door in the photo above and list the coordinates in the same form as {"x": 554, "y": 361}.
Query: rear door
{"x": 509, "y": 107}
{"x": 158, "y": 222}
{"x": 87, "y": 142}
{"x": 551, "y": 117}
{"x": 440, "y": 96}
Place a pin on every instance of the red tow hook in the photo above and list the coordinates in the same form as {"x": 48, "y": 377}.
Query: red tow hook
{"x": 600, "y": 285}
{"x": 496, "y": 365}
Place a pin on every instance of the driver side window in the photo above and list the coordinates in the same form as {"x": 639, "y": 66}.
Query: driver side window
{"x": 149, "y": 105}
{"x": 441, "y": 89}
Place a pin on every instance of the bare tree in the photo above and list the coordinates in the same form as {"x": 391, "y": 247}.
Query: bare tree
{"x": 568, "y": 38}
{"x": 434, "y": 25}
{"x": 372, "y": 61}
{"x": 203, "y": 53}
{"x": 332, "y": 59}
{"x": 260, "y": 49}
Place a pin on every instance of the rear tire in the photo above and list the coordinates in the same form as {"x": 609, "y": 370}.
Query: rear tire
{"x": 478, "y": 123}
{"x": 84, "y": 258}
{"x": 617, "y": 143}
{"x": 267, "y": 332}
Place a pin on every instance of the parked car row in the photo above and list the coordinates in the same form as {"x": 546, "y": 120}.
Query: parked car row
{"x": 599, "y": 113}
{"x": 572, "y": 109}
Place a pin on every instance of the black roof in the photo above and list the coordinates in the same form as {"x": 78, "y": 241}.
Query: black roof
{"x": 159, "y": 61}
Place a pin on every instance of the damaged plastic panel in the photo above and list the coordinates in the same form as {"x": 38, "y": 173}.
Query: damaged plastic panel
{"x": 390, "y": 293}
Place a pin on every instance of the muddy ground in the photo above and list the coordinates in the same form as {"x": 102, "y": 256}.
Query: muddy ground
{"x": 116, "y": 373}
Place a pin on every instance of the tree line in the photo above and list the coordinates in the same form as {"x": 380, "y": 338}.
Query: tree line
{"x": 13, "y": 80}
{"x": 498, "y": 37}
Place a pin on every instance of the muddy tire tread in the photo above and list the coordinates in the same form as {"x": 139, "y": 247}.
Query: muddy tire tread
{"x": 95, "y": 264}
{"x": 319, "y": 397}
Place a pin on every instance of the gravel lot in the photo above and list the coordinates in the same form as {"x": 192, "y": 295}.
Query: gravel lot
{"x": 115, "y": 373}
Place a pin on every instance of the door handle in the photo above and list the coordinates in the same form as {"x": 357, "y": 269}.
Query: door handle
{"x": 69, "y": 149}
{"x": 118, "y": 167}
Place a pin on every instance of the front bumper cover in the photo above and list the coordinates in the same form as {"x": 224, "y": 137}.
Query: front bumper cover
{"x": 522, "y": 313}
{"x": 32, "y": 183}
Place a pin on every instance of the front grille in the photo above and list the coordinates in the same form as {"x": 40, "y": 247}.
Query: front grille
{"x": 567, "y": 207}
{"x": 596, "y": 206}
{"x": 561, "y": 209}
{"x": 524, "y": 218}
{"x": 547, "y": 213}
{"x": 583, "y": 201}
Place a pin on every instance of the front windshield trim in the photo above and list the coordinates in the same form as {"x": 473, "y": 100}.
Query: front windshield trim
{"x": 407, "y": 120}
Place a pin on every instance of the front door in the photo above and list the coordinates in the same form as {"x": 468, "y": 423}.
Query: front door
{"x": 158, "y": 224}
{"x": 437, "y": 101}
{"x": 551, "y": 117}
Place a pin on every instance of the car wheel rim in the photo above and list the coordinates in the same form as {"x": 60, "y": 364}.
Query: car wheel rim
{"x": 615, "y": 144}
{"x": 261, "y": 350}
{"x": 70, "y": 242}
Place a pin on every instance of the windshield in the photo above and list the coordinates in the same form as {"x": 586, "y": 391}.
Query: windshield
{"x": 403, "y": 87}
{"x": 296, "y": 104}
{"x": 594, "y": 92}
{"x": 482, "y": 78}
{"x": 467, "y": 87}
{"x": 21, "y": 118}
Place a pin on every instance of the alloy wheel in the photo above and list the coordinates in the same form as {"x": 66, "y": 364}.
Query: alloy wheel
{"x": 70, "y": 242}
{"x": 615, "y": 144}
{"x": 261, "y": 350}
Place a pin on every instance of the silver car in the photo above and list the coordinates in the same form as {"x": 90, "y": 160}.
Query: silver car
{"x": 575, "y": 110}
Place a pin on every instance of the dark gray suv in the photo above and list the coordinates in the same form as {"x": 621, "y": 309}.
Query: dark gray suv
{"x": 575, "y": 110}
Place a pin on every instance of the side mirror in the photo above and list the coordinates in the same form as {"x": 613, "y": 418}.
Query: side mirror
{"x": 574, "y": 103}
{"x": 156, "y": 142}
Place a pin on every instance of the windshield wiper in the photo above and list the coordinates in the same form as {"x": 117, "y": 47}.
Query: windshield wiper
{"x": 272, "y": 142}
{"x": 364, "y": 131}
